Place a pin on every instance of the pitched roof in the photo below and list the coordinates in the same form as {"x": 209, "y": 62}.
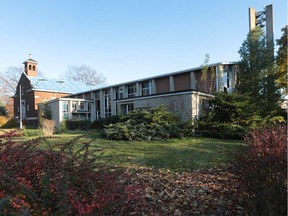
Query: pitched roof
{"x": 54, "y": 85}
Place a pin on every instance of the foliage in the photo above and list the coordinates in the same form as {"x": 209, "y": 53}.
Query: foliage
{"x": 63, "y": 127}
{"x": 208, "y": 83}
{"x": 149, "y": 124}
{"x": 281, "y": 60}
{"x": 230, "y": 117}
{"x": 3, "y": 111}
{"x": 100, "y": 123}
{"x": 77, "y": 124}
{"x": 44, "y": 113}
{"x": 85, "y": 74}
{"x": 203, "y": 192}
{"x": 66, "y": 181}
{"x": 48, "y": 127}
{"x": 257, "y": 74}
{"x": 263, "y": 169}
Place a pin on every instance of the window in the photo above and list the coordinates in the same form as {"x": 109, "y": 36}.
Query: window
{"x": 107, "y": 103}
{"x": 132, "y": 92}
{"x": 23, "y": 106}
{"x": 119, "y": 93}
{"x": 129, "y": 108}
{"x": 65, "y": 110}
{"x": 74, "y": 106}
{"x": 146, "y": 88}
{"x": 97, "y": 105}
{"x": 82, "y": 106}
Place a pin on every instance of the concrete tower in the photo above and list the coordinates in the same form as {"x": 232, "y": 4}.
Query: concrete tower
{"x": 262, "y": 19}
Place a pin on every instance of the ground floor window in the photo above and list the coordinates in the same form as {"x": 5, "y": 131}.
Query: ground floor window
{"x": 65, "y": 114}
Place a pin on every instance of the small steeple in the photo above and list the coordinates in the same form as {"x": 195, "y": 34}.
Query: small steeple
{"x": 30, "y": 66}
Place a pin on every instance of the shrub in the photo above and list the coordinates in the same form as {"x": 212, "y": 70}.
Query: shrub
{"x": 150, "y": 124}
{"x": 221, "y": 130}
{"x": 77, "y": 124}
{"x": 63, "y": 127}
{"x": 263, "y": 170}
{"x": 99, "y": 123}
{"x": 48, "y": 127}
{"x": 66, "y": 181}
{"x": 3, "y": 111}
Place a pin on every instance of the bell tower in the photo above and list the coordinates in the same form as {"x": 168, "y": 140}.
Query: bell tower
{"x": 30, "y": 67}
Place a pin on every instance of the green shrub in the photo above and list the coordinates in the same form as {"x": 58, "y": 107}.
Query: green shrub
{"x": 221, "y": 130}
{"x": 77, "y": 124}
{"x": 150, "y": 124}
{"x": 99, "y": 123}
{"x": 262, "y": 167}
{"x": 63, "y": 127}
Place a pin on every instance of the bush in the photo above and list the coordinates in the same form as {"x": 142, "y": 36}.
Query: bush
{"x": 63, "y": 127}
{"x": 100, "y": 123}
{"x": 3, "y": 111}
{"x": 76, "y": 124}
{"x": 263, "y": 170}
{"x": 150, "y": 124}
{"x": 221, "y": 130}
{"x": 48, "y": 126}
{"x": 66, "y": 181}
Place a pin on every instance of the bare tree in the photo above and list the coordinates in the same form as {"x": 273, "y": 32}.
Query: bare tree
{"x": 8, "y": 82}
{"x": 84, "y": 74}
{"x": 208, "y": 82}
{"x": 9, "y": 79}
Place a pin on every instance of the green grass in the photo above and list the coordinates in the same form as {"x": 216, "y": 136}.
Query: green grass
{"x": 173, "y": 154}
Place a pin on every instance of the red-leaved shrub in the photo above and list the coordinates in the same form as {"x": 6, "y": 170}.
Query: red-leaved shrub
{"x": 62, "y": 180}
{"x": 263, "y": 169}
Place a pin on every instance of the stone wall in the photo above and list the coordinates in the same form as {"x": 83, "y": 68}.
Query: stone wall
{"x": 179, "y": 104}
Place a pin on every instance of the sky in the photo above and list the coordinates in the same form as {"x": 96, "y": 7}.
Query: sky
{"x": 126, "y": 40}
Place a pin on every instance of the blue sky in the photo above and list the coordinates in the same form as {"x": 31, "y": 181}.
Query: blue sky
{"x": 126, "y": 39}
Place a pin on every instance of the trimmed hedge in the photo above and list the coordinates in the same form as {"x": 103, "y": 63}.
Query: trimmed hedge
{"x": 78, "y": 124}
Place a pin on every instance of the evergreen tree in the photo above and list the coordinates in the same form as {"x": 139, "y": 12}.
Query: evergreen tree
{"x": 257, "y": 74}
{"x": 282, "y": 61}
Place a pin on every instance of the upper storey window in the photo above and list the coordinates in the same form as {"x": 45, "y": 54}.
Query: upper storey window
{"x": 119, "y": 93}
{"x": 146, "y": 88}
{"x": 132, "y": 91}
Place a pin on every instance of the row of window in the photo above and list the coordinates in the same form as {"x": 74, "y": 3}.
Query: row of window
{"x": 131, "y": 91}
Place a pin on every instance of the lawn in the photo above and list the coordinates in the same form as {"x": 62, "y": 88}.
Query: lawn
{"x": 173, "y": 154}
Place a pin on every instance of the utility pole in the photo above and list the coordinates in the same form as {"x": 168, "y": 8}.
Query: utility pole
{"x": 20, "y": 107}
